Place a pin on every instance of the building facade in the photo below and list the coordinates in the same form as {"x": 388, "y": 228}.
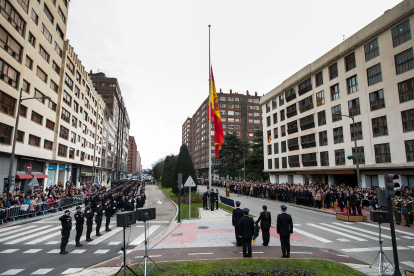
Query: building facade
{"x": 132, "y": 155}
{"x": 368, "y": 77}
{"x": 239, "y": 114}
{"x": 139, "y": 167}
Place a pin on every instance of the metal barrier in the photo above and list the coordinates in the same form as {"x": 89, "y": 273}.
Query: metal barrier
{"x": 227, "y": 201}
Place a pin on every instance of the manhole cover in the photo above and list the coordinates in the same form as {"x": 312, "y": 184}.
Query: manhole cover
{"x": 176, "y": 234}
{"x": 203, "y": 227}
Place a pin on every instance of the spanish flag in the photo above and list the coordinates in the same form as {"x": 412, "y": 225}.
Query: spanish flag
{"x": 269, "y": 138}
{"x": 215, "y": 116}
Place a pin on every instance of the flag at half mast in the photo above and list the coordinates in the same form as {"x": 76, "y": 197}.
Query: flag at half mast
{"x": 215, "y": 116}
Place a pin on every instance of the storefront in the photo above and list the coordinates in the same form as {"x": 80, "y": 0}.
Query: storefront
{"x": 26, "y": 169}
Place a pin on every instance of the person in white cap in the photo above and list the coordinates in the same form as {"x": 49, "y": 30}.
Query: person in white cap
{"x": 66, "y": 221}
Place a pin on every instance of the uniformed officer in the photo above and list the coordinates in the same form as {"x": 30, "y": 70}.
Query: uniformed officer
{"x": 217, "y": 197}
{"x": 237, "y": 215}
{"x": 266, "y": 219}
{"x": 205, "y": 198}
{"x": 396, "y": 210}
{"x": 89, "y": 221}
{"x": 212, "y": 199}
{"x": 80, "y": 219}
{"x": 98, "y": 212}
{"x": 246, "y": 233}
{"x": 66, "y": 221}
{"x": 284, "y": 225}
{"x": 108, "y": 214}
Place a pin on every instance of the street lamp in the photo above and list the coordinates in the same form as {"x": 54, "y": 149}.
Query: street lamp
{"x": 16, "y": 124}
{"x": 356, "y": 147}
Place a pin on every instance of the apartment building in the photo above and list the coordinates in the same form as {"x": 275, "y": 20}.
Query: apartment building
{"x": 139, "y": 166}
{"x": 132, "y": 155}
{"x": 186, "y": 135}
{"x": 368, "y": 77}
{"x": 108, "y": 142}
{"x": 239, "y": 114}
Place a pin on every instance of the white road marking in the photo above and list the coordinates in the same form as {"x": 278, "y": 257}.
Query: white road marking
{"x": 363, "y": 230}
{"x": 342, "y": 255}
{"x": 32, "y": 251}
{"x": 113, "y": 243}
{"x": 408, "y": 263}
{"x": 33, "y": 235}
{"x": 42, "y": 271}
{"x": 101, "y": 251}
{"x": 369, "y": 249}
{"x": 78, "y": 251}
{"x": 53, "y": 242}
{"x": 301, "y": 253}
{"x": 387, "y": 228}
{"x": 9, "y": 251}
{"x": 297, "y": 224}
{"x": 104, "y": 237}
{"x": 407, "y": 237}
{"x": 141, "y": 226}
{"x": 83, "y": 238}
{"x": 12, "y": 272}
{"x": 349, "y": 231}
{"x": 159, "y": 202}
{"x": 343, "y": 240}
{"x": 141, "y": 238}
{"x": 312, "y": 236}
{"x": 44, "y": 238}
{"x": 200, "y": 253}
{"x": 126, "y": 252}
{"x": 335, "y": 232}
{"x": 24, "y": 233}
{"x": 71, "y": 270}
{"x": 12, "y": 229}
{"x": 54, "y": 251}
{"x": 252, "y": 252}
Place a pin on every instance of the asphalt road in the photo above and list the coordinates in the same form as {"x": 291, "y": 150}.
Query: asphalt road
{"x": 356, "y": 239}
{"x": 33, "y": 248}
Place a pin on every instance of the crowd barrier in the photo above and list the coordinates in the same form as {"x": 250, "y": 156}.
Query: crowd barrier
{"x": 36, "y": 209}
{"x": 227, "y": 201}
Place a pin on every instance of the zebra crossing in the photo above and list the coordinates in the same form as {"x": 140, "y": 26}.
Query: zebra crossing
{"x": 41, "y": 271}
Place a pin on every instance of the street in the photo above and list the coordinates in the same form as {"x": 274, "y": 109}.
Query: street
{"x": 33, "y": 248}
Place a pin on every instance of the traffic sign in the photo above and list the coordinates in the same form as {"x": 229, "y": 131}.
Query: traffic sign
{"x": 29, "y": 167}
{"x": 189, "y": 182}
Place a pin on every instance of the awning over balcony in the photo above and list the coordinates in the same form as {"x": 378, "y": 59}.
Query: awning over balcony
{"x": 24, "y": 176}
{"x": 40, "y": 176}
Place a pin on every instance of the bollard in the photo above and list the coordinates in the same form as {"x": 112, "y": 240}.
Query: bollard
{"x": 294, "y": 200}
{"x": 335, "y": 204}
{"x": 323, "y": 205}
{"x": 347, "y": 207}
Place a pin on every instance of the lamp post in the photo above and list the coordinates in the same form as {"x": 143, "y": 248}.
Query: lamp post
{"x": 356, "y": 147}
{"x": 16, "y": 124}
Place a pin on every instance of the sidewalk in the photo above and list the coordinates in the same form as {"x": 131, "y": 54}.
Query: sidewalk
{"x": 212, "y": 237}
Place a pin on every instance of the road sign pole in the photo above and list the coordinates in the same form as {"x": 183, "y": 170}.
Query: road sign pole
{"x": 179, "y": 182}
{"x": 189, "y": 209}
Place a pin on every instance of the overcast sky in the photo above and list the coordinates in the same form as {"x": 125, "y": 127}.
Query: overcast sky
{"x": 158, "y": 50}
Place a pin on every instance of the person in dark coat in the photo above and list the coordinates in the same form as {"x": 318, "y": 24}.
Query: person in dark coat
{"x": 108, "y": 214}
{"x": 89, "y": 221}
{"x": 66, "y": 221}
{"x": 246, "y": 233}
{"x": 212, "y": 199}
{"x": 284, "y": 225}
{"x": 205, "y": 198}
{"x": 80, "y": 220}
{"x": 265, "y": 219}
{"x": 237, "y": 215}
{"x": 353, "y": 201}
{"x": 99, "y": 211}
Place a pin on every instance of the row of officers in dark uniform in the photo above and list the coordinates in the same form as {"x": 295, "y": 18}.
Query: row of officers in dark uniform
{"x": 122, "y": 197}
{"x": 213, "y": 199}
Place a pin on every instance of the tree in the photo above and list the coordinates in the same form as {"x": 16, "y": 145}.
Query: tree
{"x": 167, "y": 171}
{"x": 254, "y": 160}
{"x": 157, "y": 169}
{"x": 231, "y": 153}
{"x": 184, "y": 165}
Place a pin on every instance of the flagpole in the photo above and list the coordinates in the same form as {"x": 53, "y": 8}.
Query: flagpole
{"x": 209, "y": 112}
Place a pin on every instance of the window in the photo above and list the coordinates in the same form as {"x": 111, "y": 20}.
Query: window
{"x": 67, "y": 98}
{"x": 54, "y": 86}
{"x": 70, "y": 66}
{"x": 305, "y": 87}
{"x": 230, "y": 112}
{"x": 5, "y": 134}
{"x": 48, "y": 13}
{"x": 352, "y": 84}
{"x": 292, "y": 127}
{"x": 283, "y": 130}
{"x": 39, "y": 95}
{"x": 321, "y": 118}
{"x": 291, "y": 110}
{"x": 61, "y": 15}
{"x": 274, "y": 118}
{"x": 379, "y": 126}
{"x": 65, "y": 2}
{"x": 376, "y": 100}
{"x": 7, "y": 104}
{"x": 43, "y": 53}
{"x": 308, "y": 141}
{"x": 268, "y": 120}
{"x": 230, "y": 99}
{"x": 20, "y": 136}
{"x": 222, "y": 98}
{"x": 406, "y": 90}
{"x": 46, "y": 33}
{"x": 357, "y": 130}
{"x": 284, "y": 162}
{"x": 323, "y": 138}
{"x": 37, "y": 118}
{"x": 269, "y": 149}
{"x": 34, "y": 16}
{"x": 294, "y": 161}
{"x": 293, "y": 144}
{"x": 283, "y": 146}
{"x": 50, "y": 125}
{"x": 269, "y": 164}
{"x": 74, "y": 122}
{"x": 276, "y": 163}
{"x": 71, "y": 153}
{"x": 8, "y": 74}
{"x": 58, "y": 50}
{"x": 13, "y": 16}
{"x": 29, "y": 62}
{"x": 307, "y": 122}
{"x": 77, "y": 91}
{"x": 32, "y": 39}
{"x": 324, "y": 158}
{"x": 59, "y": 32}
{"x": 34, "y": 140}
{"x": 232, "y": 105}
{"x": 338, "y": 135}
{"x": 41, "y": 74}
{"x": 276, "y": 148}
{"x": 309, "y": 160}
{"x": 274, "y": 104}
{"x": 374, "y": 74}
{"x": 267, "y": 107}
{"x": 408, "y": 120}
{"x": 339, "y": 157}
{"x": 56, "y": 67}
{"x": 354, "y": 107}
{"x": 360, "y": 155}
{"x": 290, "y": 94}
{"x": 24, "y": 4}
{"x": 75, "y": 106}
{"x": 64, "y": 132}
{"x": 281, "y": 100}
{"x": 371, "y": 49}
{"x": 52, "y": 105}
{"x": 256, "y": 101}
{"x": 350, "y": 62}
{"x": 282, "y": 115}
{"x": 257, "y": 121}
{"x": 336, "y": 113}
{"x": 404, "y": 61}
{"x": 335, "y": 92}
{"x": 401, "y": 33}
{"x": 48, "y": 144}
{"x": 23, "y": 111}
{"x": 382, "y": 153}
{"x": 409, "y": 150}
{"x": 62, "y": 150}
{"x": 319, "y": 79}
{"x": 333, "y": 71}
{"x": 320, "y": 98}
{"x": 306, "y": 104}
{"x": 65, "y": 115}
{"x": 68, "y": 81}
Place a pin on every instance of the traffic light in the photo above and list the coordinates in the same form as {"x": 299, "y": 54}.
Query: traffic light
{"x": 6, "y": 184}
{"x": 11, "y": 180}
{"x": 350, "y": 157}
{"x": 390, "y": 184}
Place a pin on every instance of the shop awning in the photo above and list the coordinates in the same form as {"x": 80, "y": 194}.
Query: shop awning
{"x": 24, "y": 176}
{"x": 39, "y": 176}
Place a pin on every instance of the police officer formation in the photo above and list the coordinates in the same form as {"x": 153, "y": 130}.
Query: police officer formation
{"x": 124, "y": 196}
{"x": 213, "y": 199}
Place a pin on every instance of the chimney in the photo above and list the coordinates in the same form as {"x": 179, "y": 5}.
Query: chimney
{"x": 255, "y": 93}
{"x": 91, "y": 72}
{"x": 231, "y": 92}
{"x": 247, "y": 92}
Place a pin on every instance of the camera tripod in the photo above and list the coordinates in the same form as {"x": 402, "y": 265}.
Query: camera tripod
{"x": 382, "y": 267}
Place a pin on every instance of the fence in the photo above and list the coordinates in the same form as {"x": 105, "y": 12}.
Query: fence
{"x": 227, "y": 201}
{"x": 36, "y": 209}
